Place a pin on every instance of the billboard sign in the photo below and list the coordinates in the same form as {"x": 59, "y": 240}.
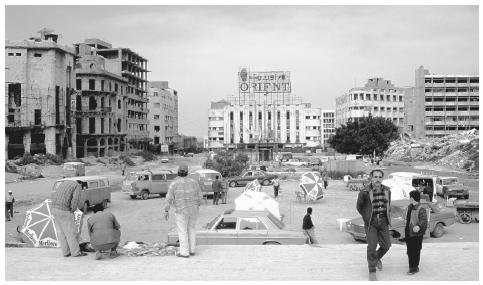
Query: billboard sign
{"x": 264, "y": 82}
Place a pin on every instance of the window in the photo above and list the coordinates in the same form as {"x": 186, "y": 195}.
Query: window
{"x": 10, "y": 54}
{"x": 156, "y": 94}
{"x": 18, "y": 54}
{"x": 156, "y": 117}
{"x": 119, "y": 104}
{"x": 355, "y": 97}
{"x": 37, "y": 55}
{"x": 251, "y": 224}
{"x": 92, "y": 84}
{"x": 78, "y": 84}
{"x": 400, "y": 98}
{"x": 227, "y": 223}
{"x": 388, "y": 98}
{"x": 102, "y": 85}
{"x": 368, "y": 97}
{"x": 382, "y": 97}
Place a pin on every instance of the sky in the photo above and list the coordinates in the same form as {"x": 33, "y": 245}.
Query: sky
{"x": 327, "y": 49}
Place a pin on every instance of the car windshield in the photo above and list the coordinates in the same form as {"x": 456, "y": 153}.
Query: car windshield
{"x": 131, "y": 177}
{"x": 209, "y": 176}
{"x": 450, "y": 181}
{"x": 69, "y": 166}
{"x": 212, "y": 223}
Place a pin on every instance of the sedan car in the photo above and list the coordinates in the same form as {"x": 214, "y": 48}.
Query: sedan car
{"x": 438, "y": 219}
{"x": 245, "y": 228}
{"x": 250, "y": 175}
{"x": 164, "y": 159}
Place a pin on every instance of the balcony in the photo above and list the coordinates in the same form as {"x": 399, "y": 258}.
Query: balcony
{"x": 99, "y": 112}
{"x": 97, "y": 92}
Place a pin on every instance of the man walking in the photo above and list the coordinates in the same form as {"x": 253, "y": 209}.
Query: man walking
{"x": 374, "y": 205}
{"x": 224, "y": 190}
{"x": 416, "y": 224}
{"x": 308, "y": 228}
{"x": 216, "y": 190}
{"x": 185, "y": 195}
{"x": 9, "y": 200}
{"x": 276, "y": 187}
{"x": 65, "y": 200}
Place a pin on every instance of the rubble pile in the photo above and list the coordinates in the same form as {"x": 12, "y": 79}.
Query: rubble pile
{"x": 458, "y": 151}
{"x": 132, "y": 248}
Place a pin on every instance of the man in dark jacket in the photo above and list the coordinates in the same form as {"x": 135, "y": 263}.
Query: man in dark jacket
{"x": 416, "y": 225}
{"x": 374, "y": 205}
{"x": 104, "y": 232}
{"x": 216, "y": 190}
{"x": 308, "y": 228}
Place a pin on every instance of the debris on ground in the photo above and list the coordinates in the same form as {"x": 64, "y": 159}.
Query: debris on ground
{"x": 457, "y": 151}
{"x": 132, "y": 248}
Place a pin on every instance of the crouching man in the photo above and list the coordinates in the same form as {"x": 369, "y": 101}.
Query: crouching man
{"x": 104, "y": 232}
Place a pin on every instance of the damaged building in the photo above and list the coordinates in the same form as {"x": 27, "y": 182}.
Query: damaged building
{"x": 39, "y": 77}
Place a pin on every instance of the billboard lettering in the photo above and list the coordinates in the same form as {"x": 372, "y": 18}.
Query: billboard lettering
{"x": 264, "y": 82}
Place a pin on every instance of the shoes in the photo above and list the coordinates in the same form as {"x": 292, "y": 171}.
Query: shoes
{"x": 412, "y": 271}
{"x": 372, "y": 276}
{"x": 98, "y": 255}
{"x": 192, "y": 253}
{"x": 379, "y": 264}
{"x": 80, "y": 254}
{"x": 182, "y": 255}
{"x": 67, "y": 255}
{"x": 114, "y": 254}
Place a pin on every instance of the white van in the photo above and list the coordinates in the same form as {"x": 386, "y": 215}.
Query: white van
{"x": 95, "y": 190}
{"x": 147, "y": 182}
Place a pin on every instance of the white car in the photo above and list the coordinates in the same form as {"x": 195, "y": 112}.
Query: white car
{"x": 297, "y": 162}
{"x": 164, "y": 159}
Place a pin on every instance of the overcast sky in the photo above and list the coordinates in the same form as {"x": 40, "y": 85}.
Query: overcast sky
{"x": 327, "y": 49}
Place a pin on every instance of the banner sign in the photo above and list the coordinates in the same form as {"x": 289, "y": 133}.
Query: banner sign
{"x": 264, "y": 82}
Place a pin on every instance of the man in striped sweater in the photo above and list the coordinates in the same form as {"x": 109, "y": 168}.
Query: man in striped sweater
{"x": 374, "y": 205}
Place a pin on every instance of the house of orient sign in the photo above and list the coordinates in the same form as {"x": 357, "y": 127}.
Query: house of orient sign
{"x": 264, "y": 82}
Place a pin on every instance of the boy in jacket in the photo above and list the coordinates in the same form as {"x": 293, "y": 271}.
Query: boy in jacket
{"x": 416, "y": 225}
{"x": 374, "y": 205}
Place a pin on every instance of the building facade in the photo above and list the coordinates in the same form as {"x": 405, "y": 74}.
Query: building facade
{"x": 39, "y": 77}
{"x": 162, "y": 113}
{"x": 264, "y": 117}
{"x": 131, "y": 66}
{"x": 378, "y": 98}
{"x": 99, "y": 106}
{"x": 444, "y": 104}
{"x": 328, "y": 127}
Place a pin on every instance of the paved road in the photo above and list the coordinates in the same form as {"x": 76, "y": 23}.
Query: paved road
{"x": 441, "y": 261}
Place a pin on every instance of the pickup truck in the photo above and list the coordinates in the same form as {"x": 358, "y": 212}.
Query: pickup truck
{"x": 448, "y": 187}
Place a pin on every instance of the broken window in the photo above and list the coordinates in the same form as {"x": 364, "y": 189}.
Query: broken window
{"x": 157, "y": 128}
{"x": 37, "y": 117}
{"x": 14, "y": 94}
{"x": 92, "y": 84}
{"x": 78, "y": 84}
{"x": 92, "y": 125}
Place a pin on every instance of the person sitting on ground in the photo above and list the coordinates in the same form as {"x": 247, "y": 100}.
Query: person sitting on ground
{"x": 104, "y": 232}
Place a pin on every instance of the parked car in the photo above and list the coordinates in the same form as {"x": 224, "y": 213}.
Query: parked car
{"x": 205, "y": 178}
{"x": 250, "y": 175}
{"x": 438, "y": 219}
{"x": 189, "y": 154}
{"x": 297, "y": 162}
{"x": 147, "y": 182}
{"x": 257, "y": 167}
{"x": 95, "y": 190}
{"x": 449, "y": 187}
{"x": 315, "y": 161}
{"x": 164, "y": 159}
{"x": 245, "y": 228}
{"x": 71, "y": 169}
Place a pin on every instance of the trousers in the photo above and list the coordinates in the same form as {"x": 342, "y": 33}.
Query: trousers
{"x": 186, "y": 225}
{"x": 414, "y": 246}
{"x": 216, "y": 197}
{"x": 310, "y": 235}
{"x": 377, "y": 233}
{"x": 66, "y": 232}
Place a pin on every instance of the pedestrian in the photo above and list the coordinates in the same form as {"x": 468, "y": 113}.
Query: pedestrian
{"x": 123, "y": 169}
{"x": 276, "y": 187}
{"x": 103, "y": 232}
{"x": 416, "y": 224}
{"x": 216, "y": 190}
{"x": 224, "y": 190}
{"x": 325, "y": 177}
{"x": 308, "y": 228}
{"x": 9, "y": 201}
{"x": 428, "y": 190}
{"x": 374, "y": 205}
{"x": 185, "y": 195}
{"x": 65, "y": 200}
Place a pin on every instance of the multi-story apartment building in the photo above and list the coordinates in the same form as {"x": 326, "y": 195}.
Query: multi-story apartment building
{"x": 162, "y": 113}
{"x": 99, "y": 106}
{"x": 133, "y": 67}
{"x": 39, "y": 80}
{"x": 328, "y": 127}
{"x": 442, "y": 104}
{"x": 264, "y": 117}
{"x": 378, "y": 98}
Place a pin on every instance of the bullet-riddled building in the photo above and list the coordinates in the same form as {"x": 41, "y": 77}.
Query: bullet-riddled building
{"x": 265, "y": 117}
{"x": 442, "y": 104}
{"x": 39, "y": 83}
{"x": 378, "y": 98}
{"x": 328, "y": 127}
{"x": 162, "y": 114}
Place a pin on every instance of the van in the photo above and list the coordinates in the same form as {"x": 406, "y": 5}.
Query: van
{"x": 408, "y": 181}
{"x": 146, "y": 182}
{"x": 205, "y": 178}
{"x": 71, "y": 169}
{"x": 94, "y": 190}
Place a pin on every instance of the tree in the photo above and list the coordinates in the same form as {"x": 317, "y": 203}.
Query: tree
{"x": 364, "y": 136}
{"x": 227, "y": 163}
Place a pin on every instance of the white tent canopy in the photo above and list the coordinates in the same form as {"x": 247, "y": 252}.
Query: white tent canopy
{"x": 257, "y": 201}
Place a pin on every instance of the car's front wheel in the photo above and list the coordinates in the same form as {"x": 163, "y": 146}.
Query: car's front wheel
{"x": 271, "y": 243}
{"x": 232, "y": 184}
{"x": 438, "y": 231}
{"x": 145, "y": 195}
{"x": 265, "y": 182}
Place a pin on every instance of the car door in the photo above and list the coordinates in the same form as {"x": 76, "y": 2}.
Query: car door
{"x": 247, "y": 178}
{"x": 157, "y": 183}
{"x": 93, "y": 194}
{"x": 251, "y": 231}
{"x": 224, "y": 232}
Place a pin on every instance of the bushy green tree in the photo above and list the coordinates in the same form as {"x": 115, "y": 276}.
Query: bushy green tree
{"x": 227, "y": 163}
{"x": 364, "y": 136}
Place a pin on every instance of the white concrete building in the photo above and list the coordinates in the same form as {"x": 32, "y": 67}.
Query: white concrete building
{"x": 328, "y": 127}
{"x": 162, "y": 113}
{"x": 378, "y": 98}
